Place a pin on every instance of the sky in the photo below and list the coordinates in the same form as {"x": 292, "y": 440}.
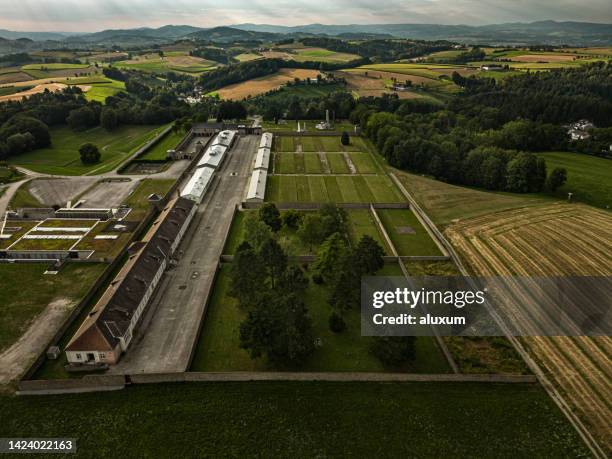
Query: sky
{"x": 95, "y": 15}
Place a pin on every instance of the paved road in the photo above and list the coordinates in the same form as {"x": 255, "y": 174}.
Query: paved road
{"x": 171, "y": 323}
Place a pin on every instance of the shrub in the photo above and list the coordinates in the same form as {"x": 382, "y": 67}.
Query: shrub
{"x": 336, "y": 323}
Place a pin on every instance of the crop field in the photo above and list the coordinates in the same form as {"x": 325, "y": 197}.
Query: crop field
{"x": 589, "y": 178}
{"x": 257, "y": 86}
{"x": 63, "y": 156}
{"x": 26, "y": 292}
{"x": 218, "y": 348}
{"x": 59, "y": 66}
{"x": 246, "y": 57}
{"x": 548, "y": 240}
{"x": 407, "y": 234}
{"x": 336, "y": 189}
{"x": 365, "y": 86}
{"x": 321, "y": 55}
{"x": 304, "y": 91}
{"x": 173, "y": 62}
{"x": 443, "y": 419}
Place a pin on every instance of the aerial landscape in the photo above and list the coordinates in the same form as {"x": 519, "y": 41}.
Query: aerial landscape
{"x": 210, "y": 213}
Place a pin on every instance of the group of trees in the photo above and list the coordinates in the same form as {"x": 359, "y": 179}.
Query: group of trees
{"x": 270, "y": 289}
{"x": 296, "y": 107}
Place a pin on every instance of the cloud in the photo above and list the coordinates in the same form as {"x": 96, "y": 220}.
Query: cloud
{"x": 93, "y": 15}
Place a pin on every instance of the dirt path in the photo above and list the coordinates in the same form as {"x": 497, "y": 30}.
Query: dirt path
{"x": 17, "y": 359}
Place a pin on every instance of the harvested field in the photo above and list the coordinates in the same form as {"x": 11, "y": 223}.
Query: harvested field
{"x": 262, "y": 85}
{"x": 375, "y": 87}
{"x": 53, "y": 87}
{"x": 544, "y": 58}
{"x": 547, "y": 240}
{"x": 14, "y": 77}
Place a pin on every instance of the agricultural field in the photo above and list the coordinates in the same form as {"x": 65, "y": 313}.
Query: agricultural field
{"x": 27, "y": 291}
{"x": 177, "y": 61}
{"x": 443, "y": 419}
{"x": 246, "y": 57}
{"x": 304, "y": 91}
{"x": 218, "y": 348}
{"x": 446, "y": 204}
{"x": 257, "y": 86}
{"x": 322, "y": 55}
{"x": 62, "y": 158}
{"x": 589, "y": 177}
{"x": 548, "y": 240}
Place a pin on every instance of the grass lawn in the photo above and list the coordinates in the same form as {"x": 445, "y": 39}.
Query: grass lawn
{"x": 62, "y": 157}
{"x": 337, "y": 163}
{"x": 26, "y": 291}
{"x": 361, "y": 223}
{"x": 138, "y": 200}
{"x": 107, "y": 249}
{"x": 23, "y": 198}
{"x": 44, "y": 244}
{"x": 445, "y": 203}
{"x": 338, "y": 189}
{"x": 160, "y": 150}
{"x": 407, "y": 234}
{"x": 291, "y": 419}
{"x": 365, "y": 163}
{"x": 218, "y": 348}
{"x": 589, "y": 178}
{"x": 21, "y": 227}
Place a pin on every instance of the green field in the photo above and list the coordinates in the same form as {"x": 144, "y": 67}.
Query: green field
{"x": 62, "y": 158}
{"x": 138, "y": 201}
{"x": 407, "y": 234}
{"x": 101, "y": 90}
{"x": 338, "y": 189}
{"x": 245, "y": 57}
{"x": 168, "y": 64}
{"x": 280, "y": 419}
{"x": 303, "y": 91}
{"x": 218, "y": 348}
{"x": 317, "y": 144}
{"x": 26, "y": 291}
{"x": 589, "y": 178}
{"x": 58, "y": 66}
{"x": 159, "y": 152}
{"x": 361, "y": 222}
{"x": 322, "y": 55}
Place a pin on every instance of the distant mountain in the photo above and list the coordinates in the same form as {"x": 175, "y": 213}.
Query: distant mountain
{"x": 230, "y": 34}
{"x": 36, "y": 36}
{"x": 541, "y": 32}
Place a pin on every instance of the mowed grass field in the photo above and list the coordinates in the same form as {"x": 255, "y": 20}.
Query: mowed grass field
{"x": 317, "y": 144}
{"x": 281, "y": 419}
{"x": 589, "y": 178}
{"x": 407, "y": 234}
{"x": 321, "y": 163}
{"x": 219, "y": 346}
{"x": 178, "y": 61}
{"x": 322, "y": 55}
{"x": 159, "y": 152}
{"x": 446, "y": 204}
{"x": 62, "y": 158}
{"x": 26, "y": 291}
{"x": 337, "y": 189}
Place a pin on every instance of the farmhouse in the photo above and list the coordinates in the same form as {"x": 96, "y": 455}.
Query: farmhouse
{"x": 108, "y": 330}
{"x": 580, "y": 130}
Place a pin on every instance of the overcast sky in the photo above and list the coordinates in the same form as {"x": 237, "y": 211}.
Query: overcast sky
{"x": 95, "y": 15}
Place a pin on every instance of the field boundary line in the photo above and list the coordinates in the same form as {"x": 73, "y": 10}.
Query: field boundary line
{"x": 550, "y": 388}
